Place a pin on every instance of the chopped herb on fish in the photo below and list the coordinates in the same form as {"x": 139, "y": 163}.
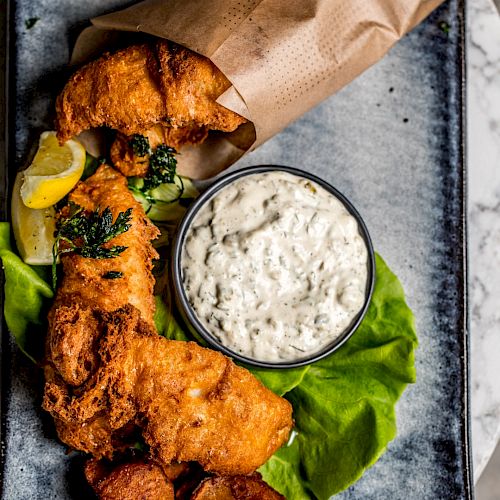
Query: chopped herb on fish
{"x": 85, "y": 233}
{"x": 112, "y": 275}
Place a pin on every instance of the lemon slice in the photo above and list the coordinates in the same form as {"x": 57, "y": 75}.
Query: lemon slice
{"x": 54, "y": 172}
{"x": 33, "y": 229}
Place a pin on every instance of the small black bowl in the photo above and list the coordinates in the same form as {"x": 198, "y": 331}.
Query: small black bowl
{"x": 187, "y": 312}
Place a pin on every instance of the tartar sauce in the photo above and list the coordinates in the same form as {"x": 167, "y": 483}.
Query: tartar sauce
{"x": 274, "y": 266}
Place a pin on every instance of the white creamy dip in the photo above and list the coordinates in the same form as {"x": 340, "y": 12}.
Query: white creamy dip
{"x": 274, "y": 267}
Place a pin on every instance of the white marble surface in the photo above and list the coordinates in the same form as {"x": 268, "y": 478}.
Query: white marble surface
{"x": 484, "y": 225}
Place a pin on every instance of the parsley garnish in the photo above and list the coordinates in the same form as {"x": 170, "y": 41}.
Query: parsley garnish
{"x": 162, "y": 170}
{"x": 162, "y": 167}
{"x": 85, "y": 233}
{"x": 140, "y": 145}
{"x": 29, "y": 23}
{"x": 112, "y": 275}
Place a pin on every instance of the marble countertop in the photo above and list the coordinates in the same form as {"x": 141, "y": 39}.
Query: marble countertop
{"x": 483, "y": 47}
{"x": 483, "y": 89}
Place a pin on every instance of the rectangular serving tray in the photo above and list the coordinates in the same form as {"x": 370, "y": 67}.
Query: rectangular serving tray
{"x": 393, "y": 142}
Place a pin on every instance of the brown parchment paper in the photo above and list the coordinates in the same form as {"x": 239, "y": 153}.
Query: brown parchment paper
{"x": 282, "y": 56}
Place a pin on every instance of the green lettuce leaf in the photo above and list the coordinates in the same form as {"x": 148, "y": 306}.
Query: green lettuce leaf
{"x": 344, "y": 406}
{"x": 279, "y": 381}
{"x": 90, "y": 167}
{"x": 283, "y": 469}
{"x": 165, "y": 323}
{"x": 27, "y": 296}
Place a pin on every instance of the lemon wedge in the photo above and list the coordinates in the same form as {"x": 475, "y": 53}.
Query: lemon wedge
{"x": 53, "y": 173}
{"x": 33, "y": 229}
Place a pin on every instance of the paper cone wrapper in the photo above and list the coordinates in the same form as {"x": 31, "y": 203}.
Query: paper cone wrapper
{"x": 282, "y": 57}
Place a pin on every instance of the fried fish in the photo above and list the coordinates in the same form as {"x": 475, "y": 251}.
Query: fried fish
{"x": 191, "y": 403}
{"x": 144, "y": 89}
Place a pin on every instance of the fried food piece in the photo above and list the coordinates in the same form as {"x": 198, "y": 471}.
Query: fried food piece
{"x": 74, "y": 331}
{"x": 118, "y": 90}
{"x": 143, "y": 478}
{"x": 97, "y": 470}
{"x": 135, "y": 480}
{"x": 192, "y": 403}
{"x": 85, "y": 279}
{"x": 236, "y": 488}
{"x": 177, "y": 469}
{"x": 191, "y": 84}
{"x": 70, "y": 343}
{"x": 141, "y": 86}
{"x": 185, "y": 477}
{"x": 129, "y": 164}
{"x": 185, "y": 485}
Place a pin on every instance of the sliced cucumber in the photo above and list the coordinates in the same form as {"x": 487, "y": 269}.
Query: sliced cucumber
{"x": 190, "y": 191}
{"x": 167, "y": 193}
{"x": 164, "y": 212}
{"x": 135, "y": 183}
{"x": 162, "y": 203}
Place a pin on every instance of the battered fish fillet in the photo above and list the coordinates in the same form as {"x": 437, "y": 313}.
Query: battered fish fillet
{"x": 109, "y": 375}
{"x": 141, "y": 86}
{"x": 192, "y": 403}
{"x": 84, "y": 279}
{"x": 85, "y": 287}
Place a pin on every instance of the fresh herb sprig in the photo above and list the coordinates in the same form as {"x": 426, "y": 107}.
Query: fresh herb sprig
{"x": 112, "y": 275}
{"x": 162, "y": 167}
{"x": 162, "y": 170}
{"x": 140, "y": 145}
{"x": 85, "y": 233}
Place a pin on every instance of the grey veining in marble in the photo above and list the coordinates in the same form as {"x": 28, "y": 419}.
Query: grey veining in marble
{"x": 484, "y": 225}
{"x": 390, "y": 141}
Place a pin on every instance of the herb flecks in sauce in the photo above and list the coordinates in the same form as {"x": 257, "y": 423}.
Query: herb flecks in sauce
{"x": 275, "y": 267}
{"x": 85, "y": 233}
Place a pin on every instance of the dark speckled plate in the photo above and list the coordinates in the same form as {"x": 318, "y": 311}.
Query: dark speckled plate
{"x": 392, "y": 141}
